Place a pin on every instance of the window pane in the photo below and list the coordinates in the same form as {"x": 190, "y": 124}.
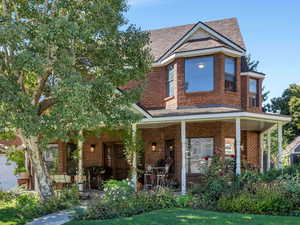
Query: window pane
{"x": 171, "y": 72}
{"x": 199, "y": 74}
{"x": 199, "y": 153}
{"x": 230, "y": 75}
{"x": 170, "y": 82}
{"x": 253, "y": 86}
{"x": 170, "y": 88}
{"x": 230, "y": 66}
{"x": 229, "y": 146}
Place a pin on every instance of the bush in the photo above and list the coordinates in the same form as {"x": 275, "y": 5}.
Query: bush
{"x": 117, "y": 190}
{"x": 133, "y": 204}
{"x": 218, "y": 181}
{"x": 264, "y": 198}
{"x": 29, "y": 206}
{"x": 6, "y": 196}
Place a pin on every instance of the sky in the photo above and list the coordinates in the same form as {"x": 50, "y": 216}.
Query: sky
{"x": 270, "y": 28}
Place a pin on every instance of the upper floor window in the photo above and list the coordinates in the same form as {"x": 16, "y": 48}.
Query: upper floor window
{"x": 253, "y": 85}
{"x": 170, "y": 80}
{"x": 199, "y": 74}
{"x": 230, "y": 74}
{"x": 253, "y": 93}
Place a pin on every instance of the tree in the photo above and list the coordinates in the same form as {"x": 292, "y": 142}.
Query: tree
{"x": 249, "y": 64}
{"x": 288, "y": 104}
{"x": 61, "y": 62}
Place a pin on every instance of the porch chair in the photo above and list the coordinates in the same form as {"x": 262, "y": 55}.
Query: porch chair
{"x": 148, "y": 178}
{"x": 162, "y": 176}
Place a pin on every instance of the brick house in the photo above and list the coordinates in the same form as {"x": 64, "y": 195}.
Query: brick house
{"x": 199, "y": 101}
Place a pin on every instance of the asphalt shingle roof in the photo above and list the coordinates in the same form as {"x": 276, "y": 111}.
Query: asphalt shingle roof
{"x": 161, "y": 40}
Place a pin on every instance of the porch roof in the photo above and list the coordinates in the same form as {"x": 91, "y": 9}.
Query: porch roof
{"x": 255, "y": 121}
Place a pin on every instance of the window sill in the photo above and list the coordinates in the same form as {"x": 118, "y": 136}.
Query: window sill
{"x": 231, "y": 92}
{"x": 169, "y": 98}
{"x": 199, "y": 93}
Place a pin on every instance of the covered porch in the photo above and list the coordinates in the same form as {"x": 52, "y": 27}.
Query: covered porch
{"x": 175, "y": 147}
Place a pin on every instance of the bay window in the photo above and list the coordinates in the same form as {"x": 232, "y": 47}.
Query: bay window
{"x": 230, "y": 74}
{"x": 199, "y": 74}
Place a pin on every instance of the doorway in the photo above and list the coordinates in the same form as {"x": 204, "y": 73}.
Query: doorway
{"x": 115, "y": 161}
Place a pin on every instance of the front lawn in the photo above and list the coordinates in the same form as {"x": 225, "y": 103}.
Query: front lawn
{"x": 192, "y": 217}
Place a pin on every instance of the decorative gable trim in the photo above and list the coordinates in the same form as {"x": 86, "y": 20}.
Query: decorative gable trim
{"x": 224, "y": 50}
{"x": 209, "y": 30}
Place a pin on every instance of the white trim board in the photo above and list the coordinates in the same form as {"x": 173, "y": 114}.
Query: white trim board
{"x": 209, "y": 30}
{"x": 232, "y": 115}
{"x": 224, "y": 50}
{"x": 253, "y": 74}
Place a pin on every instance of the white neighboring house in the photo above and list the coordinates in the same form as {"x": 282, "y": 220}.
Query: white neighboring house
{"x": 8, "y": 180}
{"x": 293, "y": 152}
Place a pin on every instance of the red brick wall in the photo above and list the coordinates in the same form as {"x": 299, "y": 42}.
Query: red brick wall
{"x": 155, "y": 89}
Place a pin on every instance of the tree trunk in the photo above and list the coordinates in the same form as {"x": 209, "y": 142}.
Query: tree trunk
{"x": 134, "y": 158}
{"x": 80, "y": 163}
{"x": 39, "y": 167}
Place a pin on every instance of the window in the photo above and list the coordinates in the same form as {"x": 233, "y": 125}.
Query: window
{"x": 253, "y": 86}
{"x": 230, "y": 74}
{"x": 230, "y": 147}
{"x": 199, "y": 74}
{"x": 253, "y": 93}
{"x": 200, "y": 151}
{"x": 170, "y": 81}
{"x": 51, "y": 157}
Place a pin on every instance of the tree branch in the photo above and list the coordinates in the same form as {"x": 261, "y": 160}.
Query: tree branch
{"x": 46, "y": 104}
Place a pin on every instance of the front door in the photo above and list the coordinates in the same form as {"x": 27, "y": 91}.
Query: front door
{"x": 116, "y": 160}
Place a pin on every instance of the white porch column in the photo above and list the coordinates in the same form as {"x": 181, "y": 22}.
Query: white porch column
{"x": 279, "y": 126}
{"x": 269, "y": 150}
{"x": 134, "y": 159}
{"x": 80, "y": 162}
{"x": 261, "y": 140}
{"x": 238, "y": 145}
{"x": 183, "y": 157}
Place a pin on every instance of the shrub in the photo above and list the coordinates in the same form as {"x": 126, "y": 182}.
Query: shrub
{"x": 133, "y": 204}
{"x": 218, "y": 181}
{"x": 117, "y": 190}
{"x": 6, "y": 196}
{"x": 29, "y": 206}
{"x": 264, "y": 198}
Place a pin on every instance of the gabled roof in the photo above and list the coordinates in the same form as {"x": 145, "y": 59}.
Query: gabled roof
{"x": 162, "y": 40}
{"x": 200, "y": 44}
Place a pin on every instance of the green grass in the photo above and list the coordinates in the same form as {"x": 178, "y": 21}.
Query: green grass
{"x": 193, "y": 217}
{"x": 8, "y": 214}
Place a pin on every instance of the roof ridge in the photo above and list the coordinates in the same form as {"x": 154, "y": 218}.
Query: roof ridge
{"x": 190, "y": 24}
